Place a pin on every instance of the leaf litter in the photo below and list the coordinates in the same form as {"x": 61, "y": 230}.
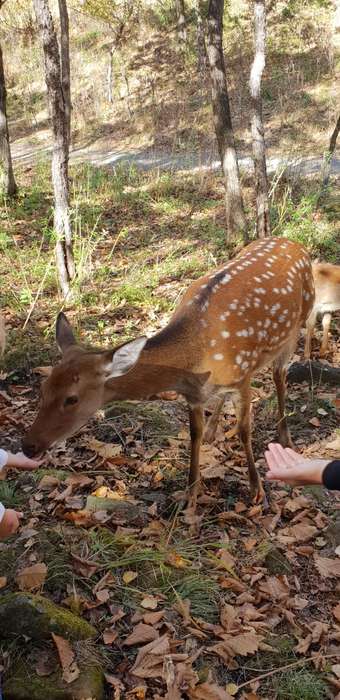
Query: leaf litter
{"x": 190, "y": 607}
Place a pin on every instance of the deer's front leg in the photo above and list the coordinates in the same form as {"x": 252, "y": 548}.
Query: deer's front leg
{"x": 196, "y": 419}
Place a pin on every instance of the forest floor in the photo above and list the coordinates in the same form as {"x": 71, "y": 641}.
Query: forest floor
{"x": 242, "y": 603}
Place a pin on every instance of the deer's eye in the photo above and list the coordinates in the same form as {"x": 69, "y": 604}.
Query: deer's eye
{"x": 71, "y": 400}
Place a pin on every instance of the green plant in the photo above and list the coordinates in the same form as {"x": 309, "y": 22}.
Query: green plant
{"x": 301, "y": 684}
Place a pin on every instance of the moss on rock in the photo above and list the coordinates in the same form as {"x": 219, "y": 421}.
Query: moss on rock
{"x": 36, "y": 617}
{"x": 23, "y": 684}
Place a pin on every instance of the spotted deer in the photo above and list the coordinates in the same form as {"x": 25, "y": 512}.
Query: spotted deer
{"x": 229, "y": 324}
{"x": 327, "y": 299}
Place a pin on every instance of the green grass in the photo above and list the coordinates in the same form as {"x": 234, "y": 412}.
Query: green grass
{"x": 9, "y": 495}
{"x": 139, "y": 240}
{"x": 301, "y": 684}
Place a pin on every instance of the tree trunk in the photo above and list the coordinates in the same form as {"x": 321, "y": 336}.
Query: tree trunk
{"x": 327, "y": 161}
{"x": 109, "y": 76}
{"x": 8, "y": 185}
{"x": 236, "y": 220}
{"x": 60, "y": 128}
{"x": 314, "y": 373}
{"x": 200, "y": 39}
{"x": 65, "y": 63}
{"x": 257, "y": 129}
{"x": 181, "y": 21}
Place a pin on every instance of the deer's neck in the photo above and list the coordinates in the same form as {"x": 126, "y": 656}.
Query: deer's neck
{"x": 167, "y": 363}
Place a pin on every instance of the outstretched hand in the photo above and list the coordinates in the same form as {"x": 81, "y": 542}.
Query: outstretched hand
{"x": 20, "y": 461}
{"x": 286, "y": 465}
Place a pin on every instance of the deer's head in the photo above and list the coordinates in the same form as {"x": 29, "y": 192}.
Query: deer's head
{"x": 75, "y": 388}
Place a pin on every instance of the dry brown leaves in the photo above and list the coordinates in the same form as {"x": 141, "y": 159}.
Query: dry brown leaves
{"x": 32, "y": 578}
{"x": 67, "y": 658}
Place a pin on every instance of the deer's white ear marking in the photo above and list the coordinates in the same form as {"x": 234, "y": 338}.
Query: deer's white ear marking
{"x": 125, "y": 358}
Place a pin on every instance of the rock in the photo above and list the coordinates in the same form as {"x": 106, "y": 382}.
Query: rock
{"x": 121, "y": 510}
{"x": 332, "y": 533}
{"x": 36, "y": 617}
{"x": 274, "y": 560}
{"x": 23, "y": 683}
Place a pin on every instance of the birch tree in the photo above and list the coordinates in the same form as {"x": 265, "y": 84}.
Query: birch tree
{"x": 57, "y": 76}
{"x": 236, "y": 220}
{"x": 257, "y": 128}
{"x": 8, "y": 185}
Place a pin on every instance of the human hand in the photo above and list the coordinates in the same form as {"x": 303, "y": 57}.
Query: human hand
{"x": 20, "y": 461}
{"x": 9, "y": 523}
{"x": 286, "y": 465}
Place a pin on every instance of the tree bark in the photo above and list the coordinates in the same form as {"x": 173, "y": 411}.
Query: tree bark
{"x": 109, "y": 76}
{"x": 236, "y": 220}
{"x": 200, "y": 39}
{"x": 257, "y": 128}
{"x": 8, "y": 185}
{"x": 181, "y": 21}
{"x": 327, "y": 161}
{"x": 65, "y": 63}
{"x": 60, "y": 128}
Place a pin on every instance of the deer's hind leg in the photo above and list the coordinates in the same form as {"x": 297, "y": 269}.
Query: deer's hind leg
{"x": 243, "y": 402}
{"x": 279, "y": 375}
{"x": 211, "y": 427}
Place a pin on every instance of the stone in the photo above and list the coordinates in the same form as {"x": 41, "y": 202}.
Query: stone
{"x": 36, "y": 617}
{"x": 123, "y": 511}
{"x": 273, "y": 559}
{"x": 22, "y": 683}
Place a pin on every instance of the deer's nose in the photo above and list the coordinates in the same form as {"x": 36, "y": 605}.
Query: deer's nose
{"x": 30, "y": 448}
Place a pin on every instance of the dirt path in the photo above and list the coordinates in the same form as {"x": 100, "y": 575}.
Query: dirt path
{"x": 26, "y": 152}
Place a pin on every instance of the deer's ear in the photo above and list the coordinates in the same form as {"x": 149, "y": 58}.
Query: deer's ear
{"x": 64, "y": 333}
{"x": 124, "y": 358}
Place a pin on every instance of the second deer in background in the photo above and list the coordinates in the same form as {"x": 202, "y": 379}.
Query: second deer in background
{"x": 327, "y": 300}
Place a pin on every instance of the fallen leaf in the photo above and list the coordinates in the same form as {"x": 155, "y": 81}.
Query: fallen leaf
{"x": 336, "y": 612}
{"x": 106, "y": 492}
{"x": 208, "y": 691}
{"x": 67, "y": 658}
{"x": 228, "y": 615}
{"x": 334, "y": 445}
{"x": 45, "y": 665}
{"x": 109, "y": 636}
{"x": 314, "y": 421}
{"x": 152, "y": 618}
{"x": 176, "y": 560}
{"x": 129, "y": 576}
{"x": 104, "y": 449}
{"x": 140, "y": 634}
{"x": 78, "y": 480}
{"x": 149, "y": 661}
{"x": 149, "y": 602}
{"x": 327, "y": 568}
{"x": 48, "y": 482}
{"x": 299, "y": 532}
{"x": 276, "y": 588}
{"x": 103, "y": 595}
{"x": 32, "y": 577}
{"x": 3, "y": 581}
{"x": 245, "y": 643}
{"x": 83, "y": 566}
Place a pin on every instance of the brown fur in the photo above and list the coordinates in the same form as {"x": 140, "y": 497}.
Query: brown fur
{"x": 327, "y": 300}
{"x": 228, "y": 325}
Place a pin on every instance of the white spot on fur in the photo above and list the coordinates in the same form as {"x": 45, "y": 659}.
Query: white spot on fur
{"x": 218, "y": 356}
{"x": 225, "y": 334}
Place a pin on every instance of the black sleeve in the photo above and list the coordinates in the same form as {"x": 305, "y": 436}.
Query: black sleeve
{"x": 331, "y": 475}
